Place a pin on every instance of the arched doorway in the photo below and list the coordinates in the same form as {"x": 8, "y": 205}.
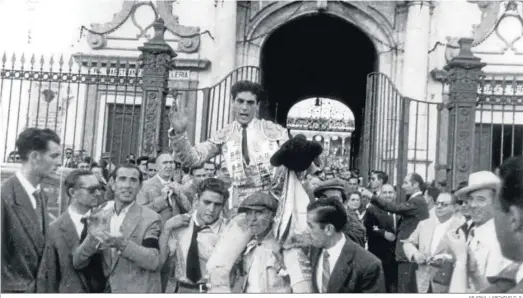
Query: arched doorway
{"x": 327, "y": 121}
{"x": 317, "y": 55}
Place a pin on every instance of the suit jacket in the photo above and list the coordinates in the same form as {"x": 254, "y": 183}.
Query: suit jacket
{"x": 354, "y": 229}
{"x": 421, "y": 240}
{"x": 137, "y": 268}
{"x": 56, "y": 273}
{"x": 152, "y": 189}
{"x": 412, "y": 211}
{"x": 377, "y": 244}
{"x": 23, "y": 241}
{"x": 356, "y": 271}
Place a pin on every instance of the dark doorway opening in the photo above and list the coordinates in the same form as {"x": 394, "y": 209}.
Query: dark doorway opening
{"x": 319, "y": 55}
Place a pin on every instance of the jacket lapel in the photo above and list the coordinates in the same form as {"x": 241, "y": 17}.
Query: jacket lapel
{"x": 342, "y": 268}
{"x": 442, "y": 245}
{"x": 25, "y": 211}
{"x": 71, "y": 238}
{"x": 129, "y": 224}
{"x": 315, "y": 256}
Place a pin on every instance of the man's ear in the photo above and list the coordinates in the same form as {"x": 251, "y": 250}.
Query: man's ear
{"x": 515, "y": 219}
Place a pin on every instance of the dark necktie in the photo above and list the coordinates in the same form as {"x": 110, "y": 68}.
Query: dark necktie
{"x": 193, "y": 271}
{"x": 84, "y": 230}
{"x": 469, "y": 230}
{"x": 39, "y": 209}
{"x": 245, "y": 152}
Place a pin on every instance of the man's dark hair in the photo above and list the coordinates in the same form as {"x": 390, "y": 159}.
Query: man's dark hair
{"x": 196, "y": 168}
{"x": 35, "y": 139}
{"x": 72, "y": 179}
{"x": 433, "y": 192}
{"x": 86, "y": 160}
{"x": 382, "y": 176}
{"x": 142, "y": 158}
{"x": 329, "y": 211}
{"x": 415, "y": 177}
{"x": 214, "y": 185}
{"x": 247, "y": 86}
{"x": 127, "y": 166}
{"x": 511, "y": 174}
{"x": 151, "y": 160}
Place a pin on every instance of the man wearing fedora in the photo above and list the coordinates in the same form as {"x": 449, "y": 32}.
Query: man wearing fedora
{"x": 480, "y": 252}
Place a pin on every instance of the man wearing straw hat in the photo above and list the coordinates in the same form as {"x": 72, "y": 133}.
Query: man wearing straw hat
{"x": 481, "y": 249}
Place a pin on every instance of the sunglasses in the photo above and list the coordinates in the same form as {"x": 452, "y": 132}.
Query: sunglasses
{"x": 93, "y": 189}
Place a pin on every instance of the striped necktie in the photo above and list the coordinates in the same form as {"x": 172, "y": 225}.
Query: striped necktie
{"x": 326, "y": 274}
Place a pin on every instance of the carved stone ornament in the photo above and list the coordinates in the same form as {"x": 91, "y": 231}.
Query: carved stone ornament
{"x": 493, "y": 16}
{"x": 189, "y": 41}
{"x": 189, "y": 36}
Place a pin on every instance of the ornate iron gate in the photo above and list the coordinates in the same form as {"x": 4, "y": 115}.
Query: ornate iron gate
{"x": 499, "y": 121}
{"x": 399, "y": 133}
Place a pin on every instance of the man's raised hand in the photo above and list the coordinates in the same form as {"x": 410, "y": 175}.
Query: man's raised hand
{"x": 178, "y": 118}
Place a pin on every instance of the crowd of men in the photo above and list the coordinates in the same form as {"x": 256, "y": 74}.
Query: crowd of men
{"x": 159, "y": 233}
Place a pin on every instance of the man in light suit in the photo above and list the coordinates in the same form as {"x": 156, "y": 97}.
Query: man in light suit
{"x": 162, "y": 195}
{"x": 127, "y": 233}
{"x": 427, "y": 246}
{"x": 412, "y": 211}
{"x": 56, "y": 273}
{"x": 188, "y": 240}
{"x": 339, "y": 265}
{"x": 24, "y": 210}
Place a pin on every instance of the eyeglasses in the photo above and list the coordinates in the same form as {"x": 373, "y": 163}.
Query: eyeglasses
{"x": 442, "y": 204}
{"x": 93, "y": 189}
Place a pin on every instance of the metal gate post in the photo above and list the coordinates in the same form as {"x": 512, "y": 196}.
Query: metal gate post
{"x": 157, "y": 60}
{"x": 464, "y": 74}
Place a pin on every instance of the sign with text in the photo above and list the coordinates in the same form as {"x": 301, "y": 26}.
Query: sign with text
{"x": 131, "y": 72}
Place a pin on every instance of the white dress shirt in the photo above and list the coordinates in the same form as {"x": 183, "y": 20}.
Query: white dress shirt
{"x": 77, "y": 220}
{"x": 439, "y": 233}
{"x": 28, "y": 187}
{"x": 519, "y": 274}
{"x": 334, "y": 255}
{"x": 117, "y": 219}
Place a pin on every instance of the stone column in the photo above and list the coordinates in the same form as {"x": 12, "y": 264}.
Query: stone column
{"x": 415, "y": 68}
{"x": 157, "y": 57}
{"x": 464, "y": 73}
{"x": 224, "y": 40}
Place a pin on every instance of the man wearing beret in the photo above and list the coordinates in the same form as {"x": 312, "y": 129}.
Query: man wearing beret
{"x": 261, "y": 267}
{"x": 334, "y": 188}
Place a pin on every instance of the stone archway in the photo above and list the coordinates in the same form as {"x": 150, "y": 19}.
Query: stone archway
{"x": 375, "y": 22}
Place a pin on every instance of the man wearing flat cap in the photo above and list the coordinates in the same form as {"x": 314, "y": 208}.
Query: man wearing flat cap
{"x": 261, "y": 267}
{"x": 483, "y": 257}
{"x": 334, "y": 188}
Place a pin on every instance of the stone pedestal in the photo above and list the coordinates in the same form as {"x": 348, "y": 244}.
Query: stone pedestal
{"x": 157, "y": 57}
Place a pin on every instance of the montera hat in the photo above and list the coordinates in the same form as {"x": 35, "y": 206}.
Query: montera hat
{"x": 297, "y": 153}
{"x": 258, "y": 201}
{"x": 480, "y": 180}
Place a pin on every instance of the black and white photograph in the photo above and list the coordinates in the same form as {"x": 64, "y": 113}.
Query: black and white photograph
{"x": 261, "y": 147}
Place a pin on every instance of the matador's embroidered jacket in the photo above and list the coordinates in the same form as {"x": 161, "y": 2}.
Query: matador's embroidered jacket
{"x": 264, "y": 139}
